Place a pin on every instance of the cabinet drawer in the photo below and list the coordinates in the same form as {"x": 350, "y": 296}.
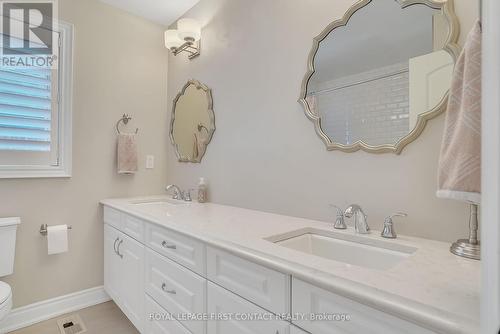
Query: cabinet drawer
{"x": 160, "y": 321}
{"x": 177, "y": 289}
{"x": 184, "y": 250}
{"x": 131, "y": 226}
{"x": 229, "y": 308}
{"x": 308, "y": 299}
{"x": 112, "y": 217}
{"x": 296, "y": 330}
{"x": 265, "y": 287}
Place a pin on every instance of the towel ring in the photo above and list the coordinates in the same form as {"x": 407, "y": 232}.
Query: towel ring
{"x": 125, "y": 119}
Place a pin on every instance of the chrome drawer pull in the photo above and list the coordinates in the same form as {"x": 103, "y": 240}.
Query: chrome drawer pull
{"x": 164, "y": 288}
{"x": 118, "y": 249}
{"x": 114, "y": 246}
{"x": 166, "y": 245}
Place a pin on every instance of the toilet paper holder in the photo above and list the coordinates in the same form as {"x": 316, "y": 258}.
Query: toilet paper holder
{"x": 43, "y": 229}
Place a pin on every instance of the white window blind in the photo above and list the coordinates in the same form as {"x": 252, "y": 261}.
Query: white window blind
{"x": 36, "y": 115}
{"x": 25, "y": 110}
{"x": 28, "y": 117}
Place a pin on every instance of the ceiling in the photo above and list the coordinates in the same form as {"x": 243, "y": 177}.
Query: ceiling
{"x": 164, "y": 12}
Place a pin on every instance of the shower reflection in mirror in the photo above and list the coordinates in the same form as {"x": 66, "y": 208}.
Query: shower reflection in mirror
{"x": 378, "y": 76}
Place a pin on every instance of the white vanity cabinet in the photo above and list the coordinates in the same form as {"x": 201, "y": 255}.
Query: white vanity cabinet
{"x": 124, "y": 273}
{"x": 151, "y": 269}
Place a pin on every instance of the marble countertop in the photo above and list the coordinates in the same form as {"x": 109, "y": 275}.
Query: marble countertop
{"x": 431, "y": 287}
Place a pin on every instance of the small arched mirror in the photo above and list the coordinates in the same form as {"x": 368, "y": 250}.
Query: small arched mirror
{"x": 377, "y": 75}
{"x": 193, "y": 121}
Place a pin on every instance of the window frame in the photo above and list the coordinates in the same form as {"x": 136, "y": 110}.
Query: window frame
{"x": 64, "y": 113}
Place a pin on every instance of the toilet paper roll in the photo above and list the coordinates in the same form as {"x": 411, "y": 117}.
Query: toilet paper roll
{"x": 57, "y": 239}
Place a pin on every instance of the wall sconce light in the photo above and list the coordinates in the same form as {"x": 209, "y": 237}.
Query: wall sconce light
{"x": 186, "y": 38}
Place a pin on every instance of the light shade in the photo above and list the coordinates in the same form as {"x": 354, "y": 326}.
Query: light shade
{"x": 189, "y": 29}
{"x": 172, "y": 39}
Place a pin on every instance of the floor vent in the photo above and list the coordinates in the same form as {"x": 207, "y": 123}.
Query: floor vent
{"x": 71, "y": 325}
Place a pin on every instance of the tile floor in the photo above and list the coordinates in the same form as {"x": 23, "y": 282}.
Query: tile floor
{"x": 100, "y": 319}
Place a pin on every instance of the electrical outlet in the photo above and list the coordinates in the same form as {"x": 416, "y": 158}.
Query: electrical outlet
{"x": 150, "y": 162}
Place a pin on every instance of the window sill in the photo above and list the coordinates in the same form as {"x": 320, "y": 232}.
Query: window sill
{"x": 34, "y": 173}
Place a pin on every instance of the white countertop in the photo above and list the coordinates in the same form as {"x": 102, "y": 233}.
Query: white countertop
{"x": 431, "y": 287}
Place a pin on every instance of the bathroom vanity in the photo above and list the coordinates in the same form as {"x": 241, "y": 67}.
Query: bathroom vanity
{"x": 193, "y": 261}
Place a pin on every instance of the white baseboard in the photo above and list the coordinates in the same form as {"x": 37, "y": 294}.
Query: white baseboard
{"x": 51, "y": 308}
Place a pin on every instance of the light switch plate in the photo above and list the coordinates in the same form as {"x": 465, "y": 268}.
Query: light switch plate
{"x": 150, "y": 162}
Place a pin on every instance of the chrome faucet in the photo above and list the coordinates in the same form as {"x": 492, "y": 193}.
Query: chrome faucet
{"x": 360, "y": 220}
{"x": 177, "y": 194}
{"x": 180, "y": 194}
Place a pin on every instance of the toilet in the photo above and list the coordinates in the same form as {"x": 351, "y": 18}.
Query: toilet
{"x": 8, "y": 228}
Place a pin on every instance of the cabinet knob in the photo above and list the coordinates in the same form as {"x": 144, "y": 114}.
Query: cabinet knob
{"x": 167, "y": 245}
{"x": 164, "y": 288}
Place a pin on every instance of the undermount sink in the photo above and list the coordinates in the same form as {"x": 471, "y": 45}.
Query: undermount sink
{"x": 351, "y": 249}
{"x": 159, "y": 201}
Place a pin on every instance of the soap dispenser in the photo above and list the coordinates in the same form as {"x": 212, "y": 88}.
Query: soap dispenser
{"x": 202, "y": 191}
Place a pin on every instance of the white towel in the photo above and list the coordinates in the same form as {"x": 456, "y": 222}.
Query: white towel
{"x": 459, "y": 173}
{"x": 127, "y": 154}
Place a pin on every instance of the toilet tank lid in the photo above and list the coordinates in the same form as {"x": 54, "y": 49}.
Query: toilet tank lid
{"x": 5, "y": 292}
{"x": 10, "y": 221}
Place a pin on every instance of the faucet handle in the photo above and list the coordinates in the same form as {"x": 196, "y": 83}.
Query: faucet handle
{"x": 398, "y": 214}
{"x": 339, "y": 220}
{"x": 388, "y": 231}
{"x": 187, "y": 195}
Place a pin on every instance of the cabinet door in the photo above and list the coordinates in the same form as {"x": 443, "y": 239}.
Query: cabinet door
{"x": 112, "y": 263}
{"x": 230, "y": 310}
{"x": 131, "y": 254}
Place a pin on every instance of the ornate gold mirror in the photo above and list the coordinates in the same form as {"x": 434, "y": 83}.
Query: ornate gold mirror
{"x": 193, "y": 121}
{"x": 377, "y": 75}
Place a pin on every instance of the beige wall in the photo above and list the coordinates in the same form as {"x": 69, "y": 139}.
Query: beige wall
{"x": 265, "y": 154}
{"x": 120, "y": 66}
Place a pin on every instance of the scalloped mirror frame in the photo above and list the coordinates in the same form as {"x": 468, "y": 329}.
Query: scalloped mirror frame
{"x": 211, "y": 115}
{"x": 451, "y": 46}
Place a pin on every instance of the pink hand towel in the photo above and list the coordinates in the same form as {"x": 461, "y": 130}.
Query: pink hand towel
{"x": 127, "y": 154}
{"x": 459, "y": 173}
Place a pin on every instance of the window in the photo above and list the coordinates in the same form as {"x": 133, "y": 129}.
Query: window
{"x": 35, "y": 116}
